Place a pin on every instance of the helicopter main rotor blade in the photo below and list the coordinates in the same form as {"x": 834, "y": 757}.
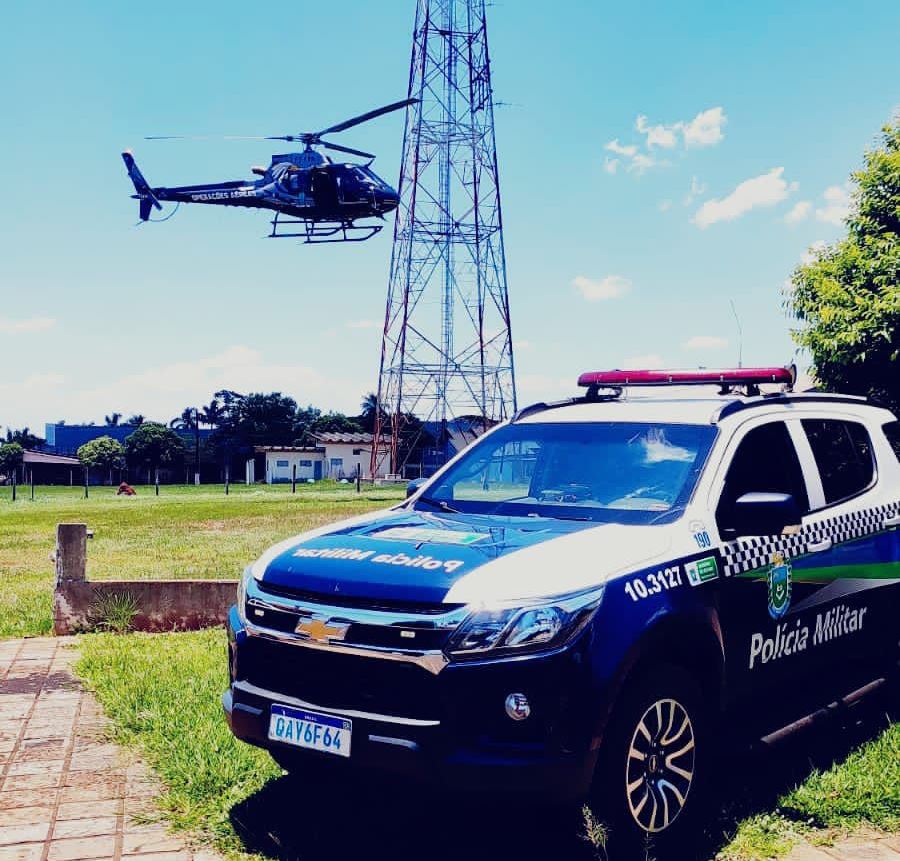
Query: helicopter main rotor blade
{"x": 206, "y": 138}
{"x": 370, "y": 115}
{"x": 347, "y": 149}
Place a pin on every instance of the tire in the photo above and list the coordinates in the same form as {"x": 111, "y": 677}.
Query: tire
{"x": 655, "y": 766}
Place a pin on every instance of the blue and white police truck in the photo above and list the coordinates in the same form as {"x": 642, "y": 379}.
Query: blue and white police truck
{"x": 589, "y": 599}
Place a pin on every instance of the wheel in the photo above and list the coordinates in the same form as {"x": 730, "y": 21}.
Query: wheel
{"x": 654, "y": 768}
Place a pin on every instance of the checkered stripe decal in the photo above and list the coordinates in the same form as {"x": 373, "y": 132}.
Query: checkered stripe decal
{"x": 747, "y": 554}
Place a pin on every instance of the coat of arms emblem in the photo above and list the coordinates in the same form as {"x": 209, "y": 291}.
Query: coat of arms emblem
{"x": 779, "y": 586}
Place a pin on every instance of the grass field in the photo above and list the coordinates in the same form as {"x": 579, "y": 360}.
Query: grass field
{"x": 162, "y": 693}
{"x": 184, "y": 532}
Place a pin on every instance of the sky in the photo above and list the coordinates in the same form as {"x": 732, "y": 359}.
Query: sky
{"x": 658, "y": 162}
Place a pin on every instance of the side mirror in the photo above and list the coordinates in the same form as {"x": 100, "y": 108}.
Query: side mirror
{"x": 414, "y": 485}
{"x": 765, "y": 513}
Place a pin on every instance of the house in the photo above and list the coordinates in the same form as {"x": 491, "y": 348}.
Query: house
{"x": 332, "y": 455}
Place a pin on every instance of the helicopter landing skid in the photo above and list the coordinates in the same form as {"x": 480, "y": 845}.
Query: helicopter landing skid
{"x": 312, "y": 232}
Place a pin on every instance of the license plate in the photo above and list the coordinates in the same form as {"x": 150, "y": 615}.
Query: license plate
{"x": 312, "y": 730}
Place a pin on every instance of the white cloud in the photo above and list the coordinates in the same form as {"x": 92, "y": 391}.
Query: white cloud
{"x": 620, "y": 149}
{"x": 660, "y": 135}
{"x": 705, "y": 342}
{"x": 645, "y": 362}
{"x": 836, "y": 205}
{"x": 642, "y": 163}
{"x": 705, "y": 129}
{"x": 798, "y": 212}
{"x": 813, "y": 251}
{"x": 764, "y": 190}
{"x": 698, "y": 189}
{"x": 611, "y": 165}
{"x": 162, "y": 391}
{"x": 610, "y": 287}
{"x": 664, "y": 205}
{"x": 9, "y": 326}
{"x": 361, "y": 324}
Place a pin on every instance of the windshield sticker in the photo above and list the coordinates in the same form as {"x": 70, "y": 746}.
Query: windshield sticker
{"x": 427, "y": 535}
{"x": 354, "y": 554}
{"x": 779, "y": 586}
{"x": 702, "y": 570}
{"x": 652, "y": 584}
{"x": 790, "y": 639}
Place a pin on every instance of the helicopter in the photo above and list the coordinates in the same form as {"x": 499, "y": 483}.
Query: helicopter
{"x": 314, "y": 198}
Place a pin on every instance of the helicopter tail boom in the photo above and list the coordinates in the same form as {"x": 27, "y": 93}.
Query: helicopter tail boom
{"x": 144, "y": 193}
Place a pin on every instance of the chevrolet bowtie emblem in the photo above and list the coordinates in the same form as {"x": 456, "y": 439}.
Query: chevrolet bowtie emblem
{"x": 322, "y": 629}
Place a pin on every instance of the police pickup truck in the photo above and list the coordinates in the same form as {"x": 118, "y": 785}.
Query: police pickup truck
{"x": 585, "y": 599}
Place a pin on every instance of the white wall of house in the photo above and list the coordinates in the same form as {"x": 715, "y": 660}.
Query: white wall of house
{"x": 341, "y": 460}
{"x": 280, "y": 464}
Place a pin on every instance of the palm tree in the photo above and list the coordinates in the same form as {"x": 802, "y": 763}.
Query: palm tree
{"x": 212, "y": 414}
{"x": 112, "y": 420}
{"x": 369, "y": 412}
{"x": 137, "y": 420}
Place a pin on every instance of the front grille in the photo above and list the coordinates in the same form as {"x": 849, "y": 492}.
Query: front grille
{"x": 412, "y": 636}
{"x": 340, "y": 681}
{"x": 387, "y": 605}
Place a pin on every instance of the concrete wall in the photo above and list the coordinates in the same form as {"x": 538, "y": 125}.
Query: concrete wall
{"x": 162, "y": 605}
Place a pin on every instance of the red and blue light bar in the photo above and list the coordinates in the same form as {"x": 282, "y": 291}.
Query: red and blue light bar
{"x": 700, "y": 377}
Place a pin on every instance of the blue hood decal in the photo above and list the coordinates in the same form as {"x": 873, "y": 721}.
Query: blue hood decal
{"x": 406, "y": 555}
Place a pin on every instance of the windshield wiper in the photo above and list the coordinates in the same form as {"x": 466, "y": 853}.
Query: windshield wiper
{"x": 557, "y": 516}
{"x": 439, "y": 504}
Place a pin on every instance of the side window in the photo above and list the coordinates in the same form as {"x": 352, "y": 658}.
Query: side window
{"x": 843, "y": 453}
{"x": 765, "y": 462}
{"x": 892, "y": 432}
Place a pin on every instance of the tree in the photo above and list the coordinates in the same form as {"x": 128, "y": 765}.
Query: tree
{"x": 24, "y": 438}
{"x": 11, "y": 456}
{"x": 136, "y": 420}
{"x": 154, "y": 445}
{"x": 847, "y": 299}
{"x": 112, "y": 420}
{"x": 212, "y": 413}
{"x": 103, "y": 452}
{"x": 369, "y": 412}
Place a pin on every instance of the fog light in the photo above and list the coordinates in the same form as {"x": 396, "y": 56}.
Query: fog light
{"x": 517, "y": 706}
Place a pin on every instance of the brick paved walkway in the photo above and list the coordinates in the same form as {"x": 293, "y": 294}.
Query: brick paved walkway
{"x": 66, "y": 794}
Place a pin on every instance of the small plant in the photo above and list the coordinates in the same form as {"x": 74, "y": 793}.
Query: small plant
{"x": 114, "y": 612}
{"x": 595, "y": 832}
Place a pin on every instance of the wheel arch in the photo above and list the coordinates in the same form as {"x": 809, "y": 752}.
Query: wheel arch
{"x": 690, "y": 641}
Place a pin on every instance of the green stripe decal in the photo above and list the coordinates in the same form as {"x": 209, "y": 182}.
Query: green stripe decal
{"x": 826, "y": 573}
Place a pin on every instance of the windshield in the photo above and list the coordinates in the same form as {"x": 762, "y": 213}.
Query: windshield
{"x": 617, "y": 472}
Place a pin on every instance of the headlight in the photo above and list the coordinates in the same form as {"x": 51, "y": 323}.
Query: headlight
{"x": 242, "y": 593}
{"x": 492, "y": 632}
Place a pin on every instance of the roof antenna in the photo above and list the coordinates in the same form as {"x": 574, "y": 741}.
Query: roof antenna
{"x": 737, "y": 320}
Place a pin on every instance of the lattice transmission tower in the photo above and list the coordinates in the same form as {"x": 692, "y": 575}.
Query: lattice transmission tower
{"x": 447, "y": 351}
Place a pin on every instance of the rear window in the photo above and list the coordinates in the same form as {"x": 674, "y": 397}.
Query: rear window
{"x": 843, "y": 453}
{"x": 892, "y": 432}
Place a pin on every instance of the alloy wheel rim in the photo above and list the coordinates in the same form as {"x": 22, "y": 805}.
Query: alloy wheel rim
{"x": 660, "y": 766}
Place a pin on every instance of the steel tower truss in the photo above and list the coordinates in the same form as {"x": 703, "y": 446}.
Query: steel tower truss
{"x": 447, "y": 346}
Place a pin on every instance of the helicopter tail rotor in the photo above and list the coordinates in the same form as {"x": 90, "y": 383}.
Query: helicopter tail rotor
{"x": 145, "y": 194}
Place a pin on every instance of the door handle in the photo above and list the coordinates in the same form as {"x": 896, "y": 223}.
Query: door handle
{"x": 892, "y": 521}
{"x": 819, "y": 546}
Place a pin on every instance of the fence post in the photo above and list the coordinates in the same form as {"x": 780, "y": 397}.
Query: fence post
{"x": 86, "y": 470}
{"x": 227, "y": 477}
{"x": 357, "y": 478}
{"x": 294, "y": 478}
{"x": 156, "y": 481}
{"x": 14, "y": 484}
{"x": 31, "y": 476}
{"x": 71, "y": 551}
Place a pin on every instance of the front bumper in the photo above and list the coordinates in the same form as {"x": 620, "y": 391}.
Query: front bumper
{"x": 447, "y": 730}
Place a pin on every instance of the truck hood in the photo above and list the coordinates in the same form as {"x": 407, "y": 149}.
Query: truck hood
{"x": 415, "y": 556}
